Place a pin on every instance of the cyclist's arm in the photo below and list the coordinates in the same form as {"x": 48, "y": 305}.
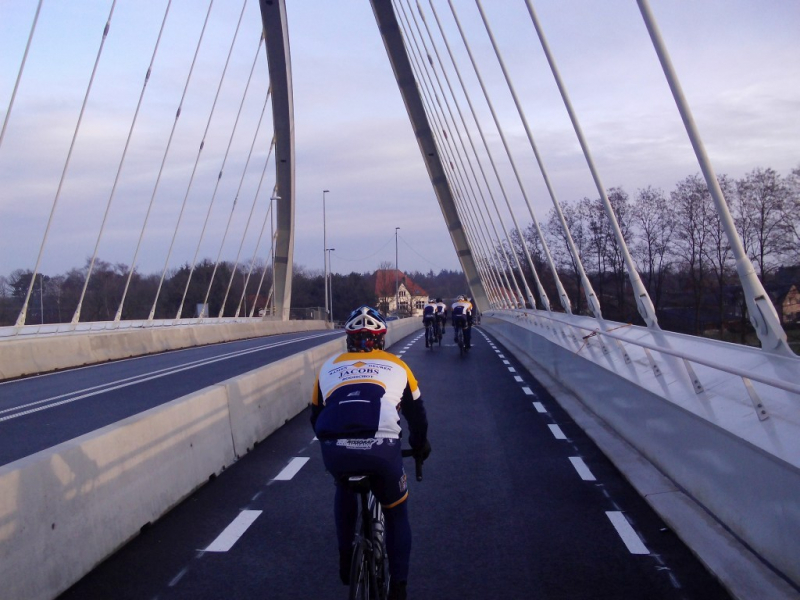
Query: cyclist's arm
{"x": 414, "y": 412}
{"x": 316, "y": 404}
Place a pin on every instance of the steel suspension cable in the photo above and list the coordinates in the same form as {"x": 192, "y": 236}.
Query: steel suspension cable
{"x": 236, "y": 197}
{"x": 461, "y": 141}
{"x": 490, "y": 157}
{"x": 118, "y": 315}
{"x": 457, "y": 181}
{"x": 510, "y": 156}
{"x": 643, "y": 302}
{"x": 763, "y": 315}
{"x": 219, "y": 176}
{"x": 500, "y": 249}
{"x": 263, "y": 227}
{"x": 565, "y": 303}
{"x": 271, "y": 254}
{"x": 77, "y": 315}
{"x": 21, "y": 318}
{"x": 19, "y": 73}
{"x": 445, "y": 148}
{"x": 252, "y": 207}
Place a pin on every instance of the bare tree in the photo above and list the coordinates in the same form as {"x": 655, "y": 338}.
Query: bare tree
{"x": 718, "y": 251}
{"x": 656, "y": 224}
{"x": 692, "y": 204}
{"x": 761, "y": 210}
{"x": 557, "y": 240}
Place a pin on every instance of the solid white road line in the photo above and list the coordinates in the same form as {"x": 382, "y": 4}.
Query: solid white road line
{"x": 292, "y": 468}
{"x": 557, "y": 433}
{"x": 582, "y": 469}
{"x": 626, "y": 532}
{"x": 234, "y": 531}
{"x": 539, "y": 407}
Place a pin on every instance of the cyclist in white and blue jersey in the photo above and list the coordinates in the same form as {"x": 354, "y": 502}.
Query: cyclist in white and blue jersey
{"x": 462, "y": 317}
{"x": 355, "y": 413}
{"x": 429, "y": 316}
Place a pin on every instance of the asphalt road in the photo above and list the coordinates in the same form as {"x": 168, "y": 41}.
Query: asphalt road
{"x": 40, "y": 412}
{"x": 516, "y": 503}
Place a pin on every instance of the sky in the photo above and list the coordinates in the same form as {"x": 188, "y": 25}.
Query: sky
{"x": 738, "y": 62}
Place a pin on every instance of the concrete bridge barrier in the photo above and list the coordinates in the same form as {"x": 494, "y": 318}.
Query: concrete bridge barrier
{"x": 29, "y": 355}
{"x": 724, "y": 447}
{"x": 67, "y": 508}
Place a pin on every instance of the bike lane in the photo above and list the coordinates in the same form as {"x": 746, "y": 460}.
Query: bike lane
{"x": 516, "y": 502}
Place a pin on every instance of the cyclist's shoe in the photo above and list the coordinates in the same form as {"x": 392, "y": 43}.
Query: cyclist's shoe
{"x": 397, "y": 590}
{"x": 345, "y": 560}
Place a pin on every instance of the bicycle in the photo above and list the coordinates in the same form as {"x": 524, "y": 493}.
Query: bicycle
{"x": 460, "y": 338}
{"x": 430, "y": 333}
{"x": 369, "y": 570}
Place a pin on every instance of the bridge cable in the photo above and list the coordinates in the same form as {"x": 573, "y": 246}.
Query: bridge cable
{"x": 565, "y": 302}
{"x": 21, "y": 318}
{"x": 461, "y": 141}
{"x": 77, "y": 314}
{"x": 252, "y": 207}
{"x": 510, "y": 156}
{"x": 132, "y": 269}
{"x": 19, "y": 73}
{"x": 267, "y": 215}
{"x": 471, "y": 169}
{"x": 236, "y": 197}
{"x": 488, "y": 154}
{"x": 219, "y": 177}
{"x": 445, "y": 148}
{"x": 468, "y": 200}
{"x": 271, "y": 254}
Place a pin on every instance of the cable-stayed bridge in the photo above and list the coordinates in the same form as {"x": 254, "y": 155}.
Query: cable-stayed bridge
{"x": 706, "y": 431}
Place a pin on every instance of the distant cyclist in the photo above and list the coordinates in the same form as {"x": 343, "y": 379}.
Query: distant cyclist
{"x": 462, "y": 317}
{"x": 429, "y": 317}
{"x": 355, "y": 414}
{"x": 441, "y": 313}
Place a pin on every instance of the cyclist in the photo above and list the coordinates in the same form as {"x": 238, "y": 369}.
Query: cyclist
{"x": 441, "y": 313}
{"x": 355, "y": 413}
{"x": 429, "y": 318}
{"x": 462, "y": 317}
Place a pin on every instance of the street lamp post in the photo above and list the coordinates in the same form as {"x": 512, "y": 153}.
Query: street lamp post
{"x": 396, "y": 285}
{"x": 324, "y": 255}
{"x": 330, "y": 295}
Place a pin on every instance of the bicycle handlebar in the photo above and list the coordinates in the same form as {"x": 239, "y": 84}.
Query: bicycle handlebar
{"x": 417, "y": 462}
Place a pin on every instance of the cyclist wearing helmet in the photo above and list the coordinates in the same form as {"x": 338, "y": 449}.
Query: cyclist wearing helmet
{"x": 462, "y": 317}
{"x": 441, "y": 312}
{"x": 428, "y": 316}
{"x": 355, "y": 413}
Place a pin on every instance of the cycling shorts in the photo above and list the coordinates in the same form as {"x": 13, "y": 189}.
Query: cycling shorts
{"x": 380, "y": 458}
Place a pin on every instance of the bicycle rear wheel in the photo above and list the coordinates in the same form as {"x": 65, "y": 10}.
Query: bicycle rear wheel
{"x": 359, "y": 574}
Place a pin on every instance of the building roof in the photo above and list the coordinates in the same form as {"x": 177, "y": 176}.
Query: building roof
{"x": 385, "y": 283}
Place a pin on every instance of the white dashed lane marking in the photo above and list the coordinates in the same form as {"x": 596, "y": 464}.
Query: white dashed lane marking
{"x": 528, "y": 391}
{"x": 626, "y": 532}
{"x": 582, "y": 469}
{"x": 517, "y": 378}
{"x": 512, "y": 370}
{"x": 539, "y": 407}
{"x": 233, "y": 532}
{"x": 557, "y": 433}
{"x": 292, "y": 468}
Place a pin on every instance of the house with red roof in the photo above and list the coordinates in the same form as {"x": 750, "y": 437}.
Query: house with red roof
{"x": 398, "y": 295}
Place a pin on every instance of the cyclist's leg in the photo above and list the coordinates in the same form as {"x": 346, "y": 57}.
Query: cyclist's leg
{"x": 398, "y": 540}
{"x": 468, "y": 336}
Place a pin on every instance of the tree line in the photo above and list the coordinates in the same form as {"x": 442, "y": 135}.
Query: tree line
{"x": 675, "y": 237}
{"x": 680, "y": 249}
{"x": 55, "y": 297}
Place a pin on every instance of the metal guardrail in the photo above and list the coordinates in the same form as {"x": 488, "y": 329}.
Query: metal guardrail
{"x": 675, "y": 345}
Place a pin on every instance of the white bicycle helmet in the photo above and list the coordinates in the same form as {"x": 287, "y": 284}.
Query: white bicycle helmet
{"x": 365, "y": 329}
